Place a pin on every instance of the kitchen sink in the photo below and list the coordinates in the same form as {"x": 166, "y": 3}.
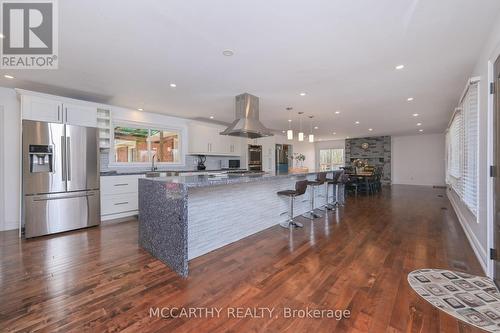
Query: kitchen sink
{"x": 152, "y": 174}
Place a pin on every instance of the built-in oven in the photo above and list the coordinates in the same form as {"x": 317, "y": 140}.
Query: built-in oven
{"x": 254, "y": 158}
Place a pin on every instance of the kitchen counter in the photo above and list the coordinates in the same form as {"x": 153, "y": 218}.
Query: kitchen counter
{"x": 183, "y": 217}
{"x": 143, "y": 172}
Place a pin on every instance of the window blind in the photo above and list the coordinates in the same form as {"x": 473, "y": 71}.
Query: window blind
{"x": 470, "y": 144}
{"x": 462, "y": 148}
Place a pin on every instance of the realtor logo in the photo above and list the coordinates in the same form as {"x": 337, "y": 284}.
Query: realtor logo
{"x": 30, "y": 36}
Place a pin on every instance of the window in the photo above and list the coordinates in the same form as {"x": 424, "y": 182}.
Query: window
{"x": 462, "y": 148}
{"x": 331, "y": 159}
{"x": 139, "y": 145}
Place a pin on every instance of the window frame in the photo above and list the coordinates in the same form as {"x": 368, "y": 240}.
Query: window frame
{"x": 148, "y": 126}
{"x": 332, "y": 164}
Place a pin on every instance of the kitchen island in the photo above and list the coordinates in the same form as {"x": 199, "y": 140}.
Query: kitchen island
{"x": 183, "y": 217}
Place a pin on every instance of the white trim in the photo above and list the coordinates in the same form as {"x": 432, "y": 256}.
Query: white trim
{"x": 479, "y": 251}
{"x": 490, "y": 184}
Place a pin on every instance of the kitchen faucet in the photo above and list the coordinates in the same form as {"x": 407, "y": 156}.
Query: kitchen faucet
{"x": 153, "y": 167}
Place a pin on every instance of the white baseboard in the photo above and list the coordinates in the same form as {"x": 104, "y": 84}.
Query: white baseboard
{"x": 478, "y": 249}
{"x": 9, "y": 225}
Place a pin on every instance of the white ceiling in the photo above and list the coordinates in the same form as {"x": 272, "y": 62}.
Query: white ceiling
{"x": 342, "y": 53}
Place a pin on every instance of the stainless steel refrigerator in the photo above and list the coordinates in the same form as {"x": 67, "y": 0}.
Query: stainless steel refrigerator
{"x": 60, "y": 177}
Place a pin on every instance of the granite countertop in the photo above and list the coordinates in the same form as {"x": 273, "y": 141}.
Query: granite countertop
{"x": 143, "y": 172}
{"x": 206, "y": 181}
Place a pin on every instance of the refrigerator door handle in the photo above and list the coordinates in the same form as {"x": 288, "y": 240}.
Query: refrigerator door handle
{"x": 65, "y": 197}
{"x": 63, "y": 157}
{"x": 68, "y": 156}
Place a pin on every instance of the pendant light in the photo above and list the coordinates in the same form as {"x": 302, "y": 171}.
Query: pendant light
{"x": 311, "y": 135}
{"x": 289, "y": 133}
{"x": 301, "y": 134}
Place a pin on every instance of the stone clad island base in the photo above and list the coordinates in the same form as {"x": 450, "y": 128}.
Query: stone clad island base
{"x": 183, "y": 217}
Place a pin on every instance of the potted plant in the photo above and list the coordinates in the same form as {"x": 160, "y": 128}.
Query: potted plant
{"x": 359, "y": 164}
{"x": 299, "y": 158}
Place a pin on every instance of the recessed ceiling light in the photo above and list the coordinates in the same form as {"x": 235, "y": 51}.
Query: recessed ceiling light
{"x": 337, "y": 112}
{"x": 173, "y": 85}
{"x": 334, "y": 133}
{"x": 140, "y": 109}
{"x": 370, "y": 129}
{"x": 316, "y": 127}
{"x": 347, "y": 137}
{"x": 420, "y": 130}
{"x": 2, "y": 36}
{"x": 302, "y": 94}
{"x": 356, "y": 122}
{"x": 228, "y": 52}
{"x": 419, "y": 124}
{"x": 283, "y": 132}
{"x": 289, "y": 120}
{"x": 400, "y": 66}
{"x": 415, "y": 115}
{"x": 212, "y": 117}
{"x": 8, "y": 76}
{"x": 410, "y": 99}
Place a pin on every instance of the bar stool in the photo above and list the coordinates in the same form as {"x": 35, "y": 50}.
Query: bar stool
{"x": 335, "y": 181}
{"x": 300, "y": 189}
{"x": 320, "y": 180}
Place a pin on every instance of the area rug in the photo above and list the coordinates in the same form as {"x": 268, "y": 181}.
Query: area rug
{"x": 472, "y": 299}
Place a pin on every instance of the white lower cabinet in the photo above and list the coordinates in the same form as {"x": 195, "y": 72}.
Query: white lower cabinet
{"x": 119, "y": 196}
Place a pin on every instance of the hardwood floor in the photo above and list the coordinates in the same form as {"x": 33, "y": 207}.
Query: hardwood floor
{"x": 99, "y": 280}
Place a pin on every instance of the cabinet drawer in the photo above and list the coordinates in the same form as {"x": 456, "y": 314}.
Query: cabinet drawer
{"x": 111, "y": 185}
{"x": 119, "y": 203}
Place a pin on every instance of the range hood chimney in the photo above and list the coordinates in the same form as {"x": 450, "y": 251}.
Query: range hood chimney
{"x": 247, "y": 123}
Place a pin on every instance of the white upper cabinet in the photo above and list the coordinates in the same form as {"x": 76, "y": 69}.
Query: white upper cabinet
{"x": 41, "y": 109}
{"x": 57, "y": 111}
{"x": 80, "y": 115}
{"x": 204, "y": 139}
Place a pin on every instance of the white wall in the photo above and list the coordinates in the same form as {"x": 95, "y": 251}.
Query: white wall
{"x": 11, "y": 159}
{"x": 309, "y": 151}
{"x": 418, "y": 159}
{"x": 476, "y": 227}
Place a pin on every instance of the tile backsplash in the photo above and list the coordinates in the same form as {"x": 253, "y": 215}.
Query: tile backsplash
{"x": 212, "y": 163}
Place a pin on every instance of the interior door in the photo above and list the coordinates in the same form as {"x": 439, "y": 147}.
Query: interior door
{"x": 496, "y": 190}
{"x": 82, "y": 158}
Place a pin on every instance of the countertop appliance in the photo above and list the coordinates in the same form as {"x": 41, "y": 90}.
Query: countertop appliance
{"x": 230, "y": 164}
{"x": 254, "y": 158}
{"x": 60, "y": 178}
{"x": 247, "y": 123}
{"x": 201, "y": 162}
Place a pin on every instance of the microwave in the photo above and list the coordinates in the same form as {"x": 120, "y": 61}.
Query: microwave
{"x": 230, "y": 164}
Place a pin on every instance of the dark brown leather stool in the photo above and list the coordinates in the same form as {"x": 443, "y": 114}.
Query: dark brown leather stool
{"x": 300, "y": 189}
{"x": 320, "y": 180}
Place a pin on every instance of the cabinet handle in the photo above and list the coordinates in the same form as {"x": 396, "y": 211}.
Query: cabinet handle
{"x": 121, "y": 203}
{"x": 120, "y": 185}
{"x": 59, "y": 113}
{"x": 66, "y": 120}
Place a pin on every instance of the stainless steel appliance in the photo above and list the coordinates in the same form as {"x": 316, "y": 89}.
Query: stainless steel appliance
{"x": 254, "y": 158}
{"x": 60, "y": 178}
{"x": 247, "y": 123}
{"x": 230, "y": 164}
{"x": 283, "y": 157}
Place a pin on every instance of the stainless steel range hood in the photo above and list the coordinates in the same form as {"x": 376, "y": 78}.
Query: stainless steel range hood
{"x": 247, "y": 123}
